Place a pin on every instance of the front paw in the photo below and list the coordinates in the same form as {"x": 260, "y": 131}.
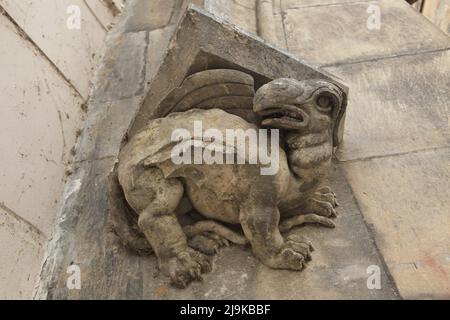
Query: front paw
{"x": 185, "y": 266}
{"x": 293, "y": 255}
{"x": 325, "y": 194}
{"x": 322, "y": 203}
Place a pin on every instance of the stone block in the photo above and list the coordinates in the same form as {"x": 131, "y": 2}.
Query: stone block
{"x": 330, "y": 34}
{"x": 204, "y": 42}
{"x": 396, "y": 105}
{"x": 40, "y": 114}
{"x": 109, "y": 271}
{"x": 22, "y": 247}
{"x": 243, "y": 14}
{"x": 405, "y": 200}
{"x": 105, "y": 128}
{"x": 74, "y": 51}
{"x": 121, "y": 74}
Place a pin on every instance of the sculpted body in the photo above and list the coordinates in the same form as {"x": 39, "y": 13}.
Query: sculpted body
{"x": 265, "y": 206}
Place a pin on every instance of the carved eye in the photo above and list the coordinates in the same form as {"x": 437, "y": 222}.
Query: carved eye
{"x": 324, "y": 102}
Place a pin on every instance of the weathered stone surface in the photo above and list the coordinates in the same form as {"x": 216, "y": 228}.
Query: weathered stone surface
{"x": 338, "y": 268}
{"x": 74, "y": 51}
{"x": 233, "y": 193}
{"x": 219, "y": 8}
{"x": 331, "y": 34}
{"x": 202, "y": 43}
{"x": 22, "y": 247}
{"x": 289, "y": 4}
{"x": 154, "y": 15}
{"x": 104, "y": 13}
{"x": 278, "y": 14}
{"x": 242, "y": 13}
{"x": 122, "y": 73}
{"x": 109, "y": 271}
{"x": 46, "y": 72}
{"x": 161, "y": 12}
{"x": 117, "y": 96}
{"x": 111, "y": 99}
{"x": 157, "y": 43}
{"x": 40, "y": 115}
{"x": 105, "y": 127}
{"x": 396, "y": 105}
{"x": 342, "y": 258}
{"x": 406, "y": 200}
{"x": 79, "y": 235}
{"x": 398, "y": 109}
{"x": 210, "y": 87}
{"x": 83, "y": 237}
{"x": 266, "y": 21}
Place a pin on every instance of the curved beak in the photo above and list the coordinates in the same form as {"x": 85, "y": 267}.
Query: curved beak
{"x": 282, "y": 116}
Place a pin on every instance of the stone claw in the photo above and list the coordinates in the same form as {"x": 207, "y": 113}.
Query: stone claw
{"x": 294, "y": 255}
{"x": 321, "y": 206}
{"x": 325, "y": 194}
{"x": 185, "y": 267}
{"x": 300, "y": 220}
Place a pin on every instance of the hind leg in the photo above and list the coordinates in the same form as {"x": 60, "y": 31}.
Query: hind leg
{"x": 156, "y": 198}
{"x": 260, "y": 223}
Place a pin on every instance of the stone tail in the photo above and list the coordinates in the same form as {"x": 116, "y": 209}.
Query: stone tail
{"x": 214, "y": 227}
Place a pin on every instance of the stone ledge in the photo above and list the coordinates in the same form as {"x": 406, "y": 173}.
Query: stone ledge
{"x": 338, "y": 33}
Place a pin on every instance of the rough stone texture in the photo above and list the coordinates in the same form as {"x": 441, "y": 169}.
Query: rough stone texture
{"x": 110, "y": 271}
{"x": 155, "y": 14}
{"x": 202, "y": 42}
{"x": 40, "y": 115}
{"x": 98, "y": 127}
{"x": 113, "y": 272}
{"x": 321, "y": 38}
{"x": 22, "y": 247}
{"x": 119, "y": 68}
{"x": 312, "y": 111}
{"x": 158, "y": 41}
{"x": 83, "y": 46}
{"x": 398, "y": 116}
{"x": 397, "y": 105}
{"x": 103, "y": 13}
{"x": 243, "y": 14}
{"x": 220, "y": 8}
{"x": 105, "y": 127}
{"x": 405, "y": 199}
{"x": 290, "y": 4}
{"x": 278, "y": 14}
{"x": 394, "y": 155}
{"x": 340, "y": 269}
{"x": 45, "y": 76}
{"x": 161, "y": 11}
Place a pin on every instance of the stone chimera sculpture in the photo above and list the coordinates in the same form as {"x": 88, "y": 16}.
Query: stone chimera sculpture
{"x": 149, "y": 186}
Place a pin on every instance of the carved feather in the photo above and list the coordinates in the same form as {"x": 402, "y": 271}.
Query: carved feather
{"x": 226, "y": 89}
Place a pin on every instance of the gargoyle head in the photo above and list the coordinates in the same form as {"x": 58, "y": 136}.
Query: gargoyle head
{"x": 305, "y": 107}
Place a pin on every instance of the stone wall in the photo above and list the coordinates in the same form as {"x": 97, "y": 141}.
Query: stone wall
{"x": 46, "y": 70}
{"x": 390, "y": 172}
{"x": 46, "y": 67}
